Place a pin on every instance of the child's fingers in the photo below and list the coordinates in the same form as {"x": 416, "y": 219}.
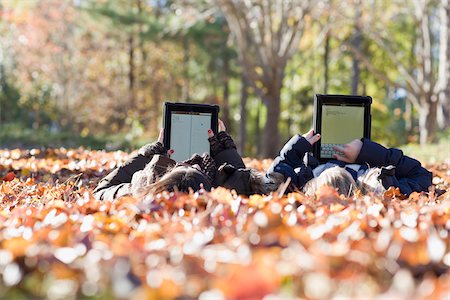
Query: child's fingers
{"x": 341, "y": 158}
{"x": 314, "y": 138}
{"x": 309, "y": 134}
{"x": 161, "y": 135}
{"x": 210, "y": 133}
{"x": 222, "y": 126}
{"x": 339, "y": 148}
{"x": 170, "y": 152}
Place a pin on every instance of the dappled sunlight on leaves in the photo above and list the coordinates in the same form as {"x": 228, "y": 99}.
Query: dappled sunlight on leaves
{"x": 57, "y": 241}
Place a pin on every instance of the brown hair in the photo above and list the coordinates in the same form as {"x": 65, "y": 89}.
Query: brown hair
{"x": 178, "y": 179}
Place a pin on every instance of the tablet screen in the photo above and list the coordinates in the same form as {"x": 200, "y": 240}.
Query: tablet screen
{"x": 189, "y": 134}
{"x": 341, "y": 124}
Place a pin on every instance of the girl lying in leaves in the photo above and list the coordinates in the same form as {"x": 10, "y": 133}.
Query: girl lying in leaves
{"x": 362, "y": 164}
{"x": 152, "y": 171}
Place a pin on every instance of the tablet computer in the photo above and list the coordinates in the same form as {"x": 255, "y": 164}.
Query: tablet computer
{"x": 339, "y": 119}
{"x": 186, "y": 128}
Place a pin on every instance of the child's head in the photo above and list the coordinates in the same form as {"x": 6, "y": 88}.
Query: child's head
{"x": 335, "y": 177}
{"x": 183, "y": 179}
{"x": 343, "y": 182}
{"x": 254, "y": 182}
{"x": 193, "y": 174}
{"x": 369, "y": 182}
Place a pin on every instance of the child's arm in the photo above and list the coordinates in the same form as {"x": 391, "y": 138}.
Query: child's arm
{"x": 409, "y": 176}
{"x": 117, "y": 183}
{"x": 223, "y": 151}
{"x": 290, "y": 160}
{"x": 295, "y": 149}
{"x": 223, "y": 148}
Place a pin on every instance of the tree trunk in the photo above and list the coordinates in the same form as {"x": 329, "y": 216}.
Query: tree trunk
{"x": 141, "y": 85}
{"x": 258, "y": 127}
{"x": 423, "y": 130}
{"x": 131, "y": 67}
{"x": 226, "y": 88}
{"x": 272, "y": 101}
{"x": 271, "y": 132}
{"x": 409, "y": 117}
{"x": 243, "y": 112}
{"x": 432, "y": 124}
{"x": 357, "y": 45}
{"x": 326, "y": 63}
{"x": 2, "y": 87}
{"x": 447, "y": 89}
{"x": 444, "y": 67}
{"x": 427, "y": 122}
{"x": 266, "y": 37}
{"x": 185, "y": 88}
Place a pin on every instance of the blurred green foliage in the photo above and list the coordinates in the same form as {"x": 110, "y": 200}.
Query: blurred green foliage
{"x": 101, "y": 78}
{"x": 432, "y": 153}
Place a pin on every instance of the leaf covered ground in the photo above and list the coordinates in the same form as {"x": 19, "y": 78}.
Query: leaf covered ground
{"x": 58, "y": 242}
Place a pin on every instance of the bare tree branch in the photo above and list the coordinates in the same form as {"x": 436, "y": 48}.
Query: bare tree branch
{"x": 386, "y": 45}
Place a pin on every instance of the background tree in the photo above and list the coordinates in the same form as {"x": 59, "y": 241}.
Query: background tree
{"x": 443, "y": 84}
{"x": 418, "y": 75}
{"x": 267, "y": 33}
{"x": 105, "y": 72}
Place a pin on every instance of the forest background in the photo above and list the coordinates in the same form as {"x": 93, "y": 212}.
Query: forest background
{"x": 95, "y": 73}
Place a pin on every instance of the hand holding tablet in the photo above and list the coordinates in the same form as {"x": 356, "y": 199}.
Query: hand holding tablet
{"x": 186, "y": 128}
{"x": 222, "y": 126}
{"x": 311, "y": 137}
{"x": 348, "y": 152}
{"x": 161, "y": 136}
{"x": 340, "y": 119}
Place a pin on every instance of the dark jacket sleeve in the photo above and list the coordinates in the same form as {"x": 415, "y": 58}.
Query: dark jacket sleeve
{"x": 223, "y": 151}
{"x": 409, "y": 176}
{"x": 290, "y": 161}
{"x": 117, "y": 183}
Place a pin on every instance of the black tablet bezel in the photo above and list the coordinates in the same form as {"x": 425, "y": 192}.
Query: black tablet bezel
{"x": 170, "y": 107}
{"x": 345, "y": 100}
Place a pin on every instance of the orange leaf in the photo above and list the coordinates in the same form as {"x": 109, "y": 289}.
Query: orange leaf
{"x": 9, "y": 177}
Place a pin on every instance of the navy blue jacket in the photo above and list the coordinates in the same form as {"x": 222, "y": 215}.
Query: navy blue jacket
{"x": 408, "y": 175}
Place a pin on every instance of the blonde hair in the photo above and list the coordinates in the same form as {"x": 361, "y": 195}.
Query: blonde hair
{"x": 336, "y": 177}
{"x": 340, "y": 179}
{"x": 370, "y": 183}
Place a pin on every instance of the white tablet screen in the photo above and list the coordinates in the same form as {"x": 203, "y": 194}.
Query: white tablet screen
{"x": 340, "y": 125}
{"x": 189, "y": 134}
